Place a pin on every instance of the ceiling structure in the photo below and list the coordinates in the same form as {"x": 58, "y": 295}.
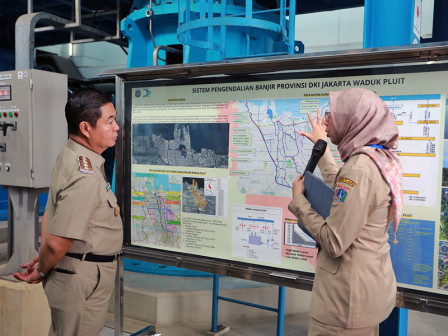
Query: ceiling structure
{"x": 102, "y": 15}
{"x": 93, "y": 20}
{"x": 98, "y": 14}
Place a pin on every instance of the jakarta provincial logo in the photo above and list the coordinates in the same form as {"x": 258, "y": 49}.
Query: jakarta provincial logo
{"x": 138, "y": 93}
{"x": 340, "y": 193}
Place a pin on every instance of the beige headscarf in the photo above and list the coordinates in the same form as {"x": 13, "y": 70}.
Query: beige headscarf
{"x": 361, "y": 118}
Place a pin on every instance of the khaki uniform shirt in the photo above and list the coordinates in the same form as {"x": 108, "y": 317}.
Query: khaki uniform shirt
{"x": 354, "y": 284}
{"x": 81, "y": 205}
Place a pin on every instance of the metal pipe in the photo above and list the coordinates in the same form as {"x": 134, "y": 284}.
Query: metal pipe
{"x": 283, "y": 13}
{"x": 155, "y": 54}
{"x": 223, "y": 31}
{"x": 119, "y": 291}
{"x": 29, "y": 6}
{"x": 78, "y": 12}
{"x": 250, "y": 304}
{"x": 117, "y": 30}
{"x": 292, "y": 27}
{"x": 215, "y": 303}
{"x": 249, "y": 5}
{"x": 210, "y": 37}
{"x": 255, "y": 13}
{"x": 150, "y": 14}
{"x": 281, "y": 309}
{"x": 98, "y": 14}
{"x": 25, "y": 39}
{"x": 202, "y": 7}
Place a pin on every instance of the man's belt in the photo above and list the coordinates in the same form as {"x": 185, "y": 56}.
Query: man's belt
{"x": 93, "y": 257}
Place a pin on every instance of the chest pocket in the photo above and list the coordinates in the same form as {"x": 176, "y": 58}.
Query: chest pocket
{"x": 114, "y": 213}
{"x": 331, "y": 265}
{"x": 105, "y": 213}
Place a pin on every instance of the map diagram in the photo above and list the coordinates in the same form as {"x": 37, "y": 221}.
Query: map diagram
{"x": 257, "y": 233}
{"x": 187, "y": 145}
{"x": 156, "y": 210}
{"x": 193, "y": 198}
{"x": 269, "y": 151}
{"x": 206, "y": 196}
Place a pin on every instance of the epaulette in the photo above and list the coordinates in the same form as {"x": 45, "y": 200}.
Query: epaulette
{"x": 85, "y": 166}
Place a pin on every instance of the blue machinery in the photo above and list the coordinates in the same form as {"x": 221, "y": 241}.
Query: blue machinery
{"x": 204, "y": 30}
{"x": 186, "y": 31}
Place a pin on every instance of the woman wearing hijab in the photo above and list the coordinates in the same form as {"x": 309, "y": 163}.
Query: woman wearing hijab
{"x": 354, "y": 286}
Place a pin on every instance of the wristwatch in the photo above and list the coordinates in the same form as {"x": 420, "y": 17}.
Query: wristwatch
{"x": 42, "y": 275}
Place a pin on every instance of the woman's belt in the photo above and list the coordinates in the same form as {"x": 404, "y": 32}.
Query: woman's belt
{"x": 92, "y": 257}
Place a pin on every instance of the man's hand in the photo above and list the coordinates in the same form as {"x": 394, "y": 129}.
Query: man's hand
{"x": 29, "y": 273}
{"x": 30, "y": 265}
{"x": 298, "y": 186}
{"x": 318, "y": 128}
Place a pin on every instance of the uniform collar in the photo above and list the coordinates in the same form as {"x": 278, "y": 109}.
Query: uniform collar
{"x": 96, "y": 159}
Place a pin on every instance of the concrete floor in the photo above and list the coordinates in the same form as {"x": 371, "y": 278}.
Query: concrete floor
{"x": 294, "y": 325}
{"x": 420, "y": 324}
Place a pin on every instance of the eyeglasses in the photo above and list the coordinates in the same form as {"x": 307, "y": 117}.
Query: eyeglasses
{"x": 327, "y": 114}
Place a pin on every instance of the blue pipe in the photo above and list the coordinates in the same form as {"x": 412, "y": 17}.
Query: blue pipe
{"x": 281, "y": 310}
{"x": 396, "y": 324}
{"x": 388, "y": 23}
{"x": 292, "y": 28}
{"x": 250, "y": 304}
{"x": 215, "y": 303}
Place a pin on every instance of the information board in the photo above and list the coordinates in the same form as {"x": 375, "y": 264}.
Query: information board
{"x": 210, "y": 161}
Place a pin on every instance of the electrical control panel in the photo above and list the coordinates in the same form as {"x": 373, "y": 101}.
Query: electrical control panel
{"x": 33, "y": 129}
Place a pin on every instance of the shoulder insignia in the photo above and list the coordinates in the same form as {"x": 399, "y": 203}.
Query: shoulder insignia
{"x": 346, "y": 181}
{"x": 341, "y": 193}
{"x": 85, "y": 166}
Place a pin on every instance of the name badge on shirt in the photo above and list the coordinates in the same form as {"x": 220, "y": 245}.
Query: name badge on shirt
{"x": 346, "y": 181}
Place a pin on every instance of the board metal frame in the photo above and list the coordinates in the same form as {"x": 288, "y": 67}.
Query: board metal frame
{"x": 433, "y": 57}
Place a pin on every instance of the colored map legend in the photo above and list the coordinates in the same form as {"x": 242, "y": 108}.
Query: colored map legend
{"x": 413, "y": 256}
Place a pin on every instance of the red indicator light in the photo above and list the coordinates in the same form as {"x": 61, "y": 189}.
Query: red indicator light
{"x": 5, "y": 114}
{"x": 16, "y": 114}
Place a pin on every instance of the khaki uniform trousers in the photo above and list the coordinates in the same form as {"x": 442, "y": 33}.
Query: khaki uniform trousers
{"x": 317, "y": 328}
{"x": 79, "y": 302}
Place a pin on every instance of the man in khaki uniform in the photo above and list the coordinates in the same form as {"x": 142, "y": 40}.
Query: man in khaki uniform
{"x": 82, "y": 229}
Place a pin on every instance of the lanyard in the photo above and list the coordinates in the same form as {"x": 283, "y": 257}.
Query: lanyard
{"x": 374, "y": 146}
{"x": 377, "y": 146}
